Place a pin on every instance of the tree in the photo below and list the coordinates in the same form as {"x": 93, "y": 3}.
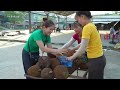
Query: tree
{"x": 15, "y": 16}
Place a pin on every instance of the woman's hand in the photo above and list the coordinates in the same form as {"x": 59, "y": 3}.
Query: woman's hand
{"x": 73, "y": 49}
{"x": 62, "y": 51}
{"x": 70, "y": 58}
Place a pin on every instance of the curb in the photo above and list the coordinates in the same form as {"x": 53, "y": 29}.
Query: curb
{"x": 12, "y": 40}
{"x": 25, "y": 41}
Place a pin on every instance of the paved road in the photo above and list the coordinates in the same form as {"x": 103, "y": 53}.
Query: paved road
{"x": 11, "y": 62}
{"x": 112, "y": 70}
{"x": 11, "y": 66}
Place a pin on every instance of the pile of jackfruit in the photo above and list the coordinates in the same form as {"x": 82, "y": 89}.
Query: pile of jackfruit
{"x": 49, "y": 67}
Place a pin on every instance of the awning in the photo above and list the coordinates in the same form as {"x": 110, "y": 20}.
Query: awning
{"x": 116, "y": 25}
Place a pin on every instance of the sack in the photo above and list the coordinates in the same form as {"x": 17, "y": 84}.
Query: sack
{"x": 34, "y": 58}
{"x": 64, "y": 61}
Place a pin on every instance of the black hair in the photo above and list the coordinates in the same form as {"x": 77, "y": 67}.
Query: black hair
{"x": 48, "y": 23}
{"x": 78, "y": 24}
{"x": 44, "y": 19}
{"x": 38, "y": 27}
{"x": 118, "y": 27}
{"x": 86, "y": 13}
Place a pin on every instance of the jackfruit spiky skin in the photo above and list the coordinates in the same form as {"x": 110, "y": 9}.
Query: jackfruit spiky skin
{"x": 47, "y": 73}
{"x": 44, "y": 62}
{"x": 54, "y": 62}
{"x": 34, "y": 71}
{"x": 51, "y": 55}
{"x": 61, "y": 72}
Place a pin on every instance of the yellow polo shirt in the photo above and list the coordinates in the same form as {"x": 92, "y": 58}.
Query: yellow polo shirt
{"x": 94, "y": 48}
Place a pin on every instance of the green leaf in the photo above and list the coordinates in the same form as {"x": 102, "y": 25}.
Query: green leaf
{"x": 15, "y": 16}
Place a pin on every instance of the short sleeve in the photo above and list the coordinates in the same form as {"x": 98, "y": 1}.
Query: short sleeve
{"x": 75, "y": 36}
{"x": 37, "y": 36}
{"x": 87, "y": 31}
{"x": 48, "y": 39}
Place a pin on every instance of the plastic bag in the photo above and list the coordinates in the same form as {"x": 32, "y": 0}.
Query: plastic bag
{"x": 63, "y": 60}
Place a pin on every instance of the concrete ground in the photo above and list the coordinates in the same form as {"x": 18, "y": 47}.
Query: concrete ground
{"x": 11, "y": 62}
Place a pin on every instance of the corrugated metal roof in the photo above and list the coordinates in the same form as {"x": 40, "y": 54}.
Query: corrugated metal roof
{"x": 64, "y": 13}
{"x": 101, "y": 19}
{"x": 112, "y": 16}
{"x": 105, "y": 18}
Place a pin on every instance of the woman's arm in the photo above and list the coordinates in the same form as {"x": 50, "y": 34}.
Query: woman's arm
{"x": 69, "y": 43}
{"x": 81, "y": 50}
{"x": 49, "y": 50}
{"x": 49, "y": 45}
{"x": 77, "y": 47}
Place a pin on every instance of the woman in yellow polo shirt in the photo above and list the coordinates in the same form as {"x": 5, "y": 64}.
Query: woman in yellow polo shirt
{"x": 91, "y": 42}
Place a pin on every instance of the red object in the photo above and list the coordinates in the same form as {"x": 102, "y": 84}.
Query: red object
{"x": 77, "y": 37}
{"x": 106, "y": 36}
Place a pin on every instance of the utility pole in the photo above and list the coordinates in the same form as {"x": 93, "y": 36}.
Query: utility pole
{"x": 30, "y": 26}
{"x": 47, "y": 14}
{"x": 66, "y": 21}
{"x": 58, "y": 21}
